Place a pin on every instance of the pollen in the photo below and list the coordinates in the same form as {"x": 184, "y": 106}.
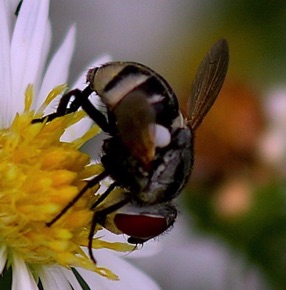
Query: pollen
{"x": 40, "y": 174}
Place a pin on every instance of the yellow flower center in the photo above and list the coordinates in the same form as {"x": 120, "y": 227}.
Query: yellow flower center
{"x": 39, "y": 175}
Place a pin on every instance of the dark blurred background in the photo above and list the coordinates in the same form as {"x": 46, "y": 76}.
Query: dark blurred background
{"x": 231, "y": 233}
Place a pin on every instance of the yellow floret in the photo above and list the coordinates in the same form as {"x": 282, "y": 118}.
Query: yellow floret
{"x": 39, "y": 175}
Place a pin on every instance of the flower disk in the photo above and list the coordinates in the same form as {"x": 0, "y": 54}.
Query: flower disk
{"x": 39, "y": 176}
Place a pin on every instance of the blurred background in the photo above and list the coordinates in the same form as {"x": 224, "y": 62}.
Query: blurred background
{"x": 231, "y": 233}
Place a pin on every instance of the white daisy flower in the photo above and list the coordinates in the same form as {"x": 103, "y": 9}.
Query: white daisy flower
{"x": 40, "y": 173}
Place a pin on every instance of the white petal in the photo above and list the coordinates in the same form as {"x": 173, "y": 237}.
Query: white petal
{"x": 11, "y": 5}
{"x": 82, "y": 126}
{"x": 130, "y": 277}
{"x": 69, "y": 275}
{"x": 21, "y": 276}
{"x": 58, "y": 69}
{"x": 45, "y": 53}
{"x": 53, "y": 279}
{"x": 3, "y": 257}
{"x": 27, "y": 47}
{"x": 5, "y": 72}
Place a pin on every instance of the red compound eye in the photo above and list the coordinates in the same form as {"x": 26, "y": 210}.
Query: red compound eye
{"x": 140, "y": 226}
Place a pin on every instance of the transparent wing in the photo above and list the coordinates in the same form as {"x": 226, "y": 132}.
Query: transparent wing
{"x": 207, "y": 83}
